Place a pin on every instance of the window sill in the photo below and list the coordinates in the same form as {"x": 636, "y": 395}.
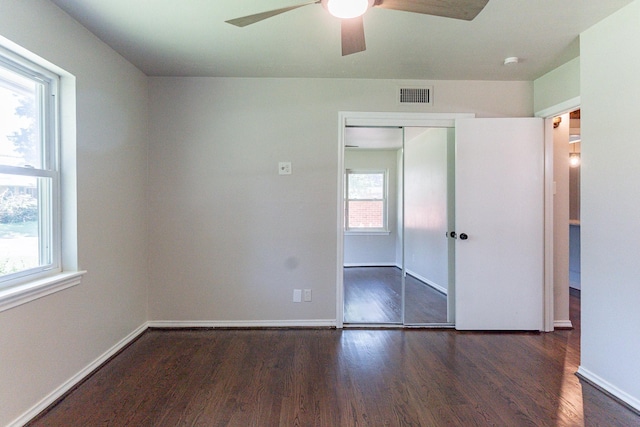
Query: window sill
{"x": 367, "y": 233}
{"x": 22, "y": 294}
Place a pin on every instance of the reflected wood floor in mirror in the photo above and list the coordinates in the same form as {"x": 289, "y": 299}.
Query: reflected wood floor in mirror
{"x": 329, "y": 377}
{"x": 374, "y": 295}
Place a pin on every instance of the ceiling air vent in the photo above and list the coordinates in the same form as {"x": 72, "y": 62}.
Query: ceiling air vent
{"x": 416, "y": 95}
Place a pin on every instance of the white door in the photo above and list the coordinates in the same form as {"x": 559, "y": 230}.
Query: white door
{"x": 499, "y": 224}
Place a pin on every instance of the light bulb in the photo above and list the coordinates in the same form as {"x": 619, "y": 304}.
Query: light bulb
{"x": 346, "y": 9}
{"x": 574, "y": 160}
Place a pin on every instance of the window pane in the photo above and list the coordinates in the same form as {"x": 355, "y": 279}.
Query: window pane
{"x": 366, "y": 214}
{"x": 20, "y": 134}
{"x": 366, "y": 185}
{"x": 24, "y": 236}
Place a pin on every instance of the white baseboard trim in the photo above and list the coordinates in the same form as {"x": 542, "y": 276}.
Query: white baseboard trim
{"x": 229, "y": 324}
{"x": 77, "y": 378}
{"x": 428, "y": 282}
{"x": 609, "y": 388}
{"x": 563, "y": 324}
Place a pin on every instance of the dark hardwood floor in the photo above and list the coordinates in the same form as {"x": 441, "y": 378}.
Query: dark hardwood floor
{"x": 374, "y": 295}
{"x": 325, "y": 377}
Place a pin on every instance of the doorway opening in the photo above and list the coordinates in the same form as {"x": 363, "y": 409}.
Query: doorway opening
{"x": 567, "y": 159}
{"x": 574, "y": 199}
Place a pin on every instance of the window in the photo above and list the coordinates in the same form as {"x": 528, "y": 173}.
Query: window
{"x": 29, "y": 173}
{"x": 365, "y": 201}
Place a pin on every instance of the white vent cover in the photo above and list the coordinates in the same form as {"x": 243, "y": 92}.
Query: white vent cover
{"x": 415, "y": 95}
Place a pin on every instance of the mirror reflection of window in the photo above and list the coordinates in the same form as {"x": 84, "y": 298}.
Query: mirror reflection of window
{"x": 366, "y": 201}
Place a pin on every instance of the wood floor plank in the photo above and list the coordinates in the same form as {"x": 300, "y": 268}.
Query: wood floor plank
{"x": 324, "y": 377}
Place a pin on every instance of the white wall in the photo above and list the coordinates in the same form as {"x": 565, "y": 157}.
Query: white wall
{"x": 230, "y": 238}
{"x": 374, "y": 249}
{"x": 45, "y": 342}
{"x": 610, "y": 229}
{"x": 426, "y": 205}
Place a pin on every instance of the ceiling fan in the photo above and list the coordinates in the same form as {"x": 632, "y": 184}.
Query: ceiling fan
{"x": 351, "y": 12}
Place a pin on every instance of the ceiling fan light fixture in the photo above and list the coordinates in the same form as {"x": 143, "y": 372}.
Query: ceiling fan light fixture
{"x": 347, "y": 9}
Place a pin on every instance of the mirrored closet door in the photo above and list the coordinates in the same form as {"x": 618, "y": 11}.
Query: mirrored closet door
{"x": 398, "y": 201}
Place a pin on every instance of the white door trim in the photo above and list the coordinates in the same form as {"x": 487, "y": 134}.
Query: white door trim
{"x": 374, "y": 119}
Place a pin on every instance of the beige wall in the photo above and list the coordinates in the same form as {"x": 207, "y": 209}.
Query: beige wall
{"x": 230, "y": 238}
{"x": 45, "y": 342}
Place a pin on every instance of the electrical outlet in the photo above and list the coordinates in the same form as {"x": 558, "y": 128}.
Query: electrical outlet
{"x": 284, "y": 168}
{"x": 297, "y": 295}
{"x": 307, "y": 295}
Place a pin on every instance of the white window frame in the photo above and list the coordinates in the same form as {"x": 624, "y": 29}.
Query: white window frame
{"x": 385, "y": 202}
{"x": 30, "y": 284}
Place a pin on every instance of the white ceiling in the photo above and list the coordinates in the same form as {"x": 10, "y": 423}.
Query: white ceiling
{"x": 190, "y": 38}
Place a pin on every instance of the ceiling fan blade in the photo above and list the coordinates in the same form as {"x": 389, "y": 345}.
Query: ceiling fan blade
{"x": 457, "y": 9}
{"x": 252, "y": 19}
{"x": 352, "y": 36}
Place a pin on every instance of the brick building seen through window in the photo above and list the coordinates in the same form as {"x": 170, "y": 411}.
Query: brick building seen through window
{"x": 366, "y": 200}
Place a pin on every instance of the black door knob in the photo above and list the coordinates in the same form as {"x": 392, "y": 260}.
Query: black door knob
{"x": 463, "y": 236}
{"x": 453, "y": 234}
